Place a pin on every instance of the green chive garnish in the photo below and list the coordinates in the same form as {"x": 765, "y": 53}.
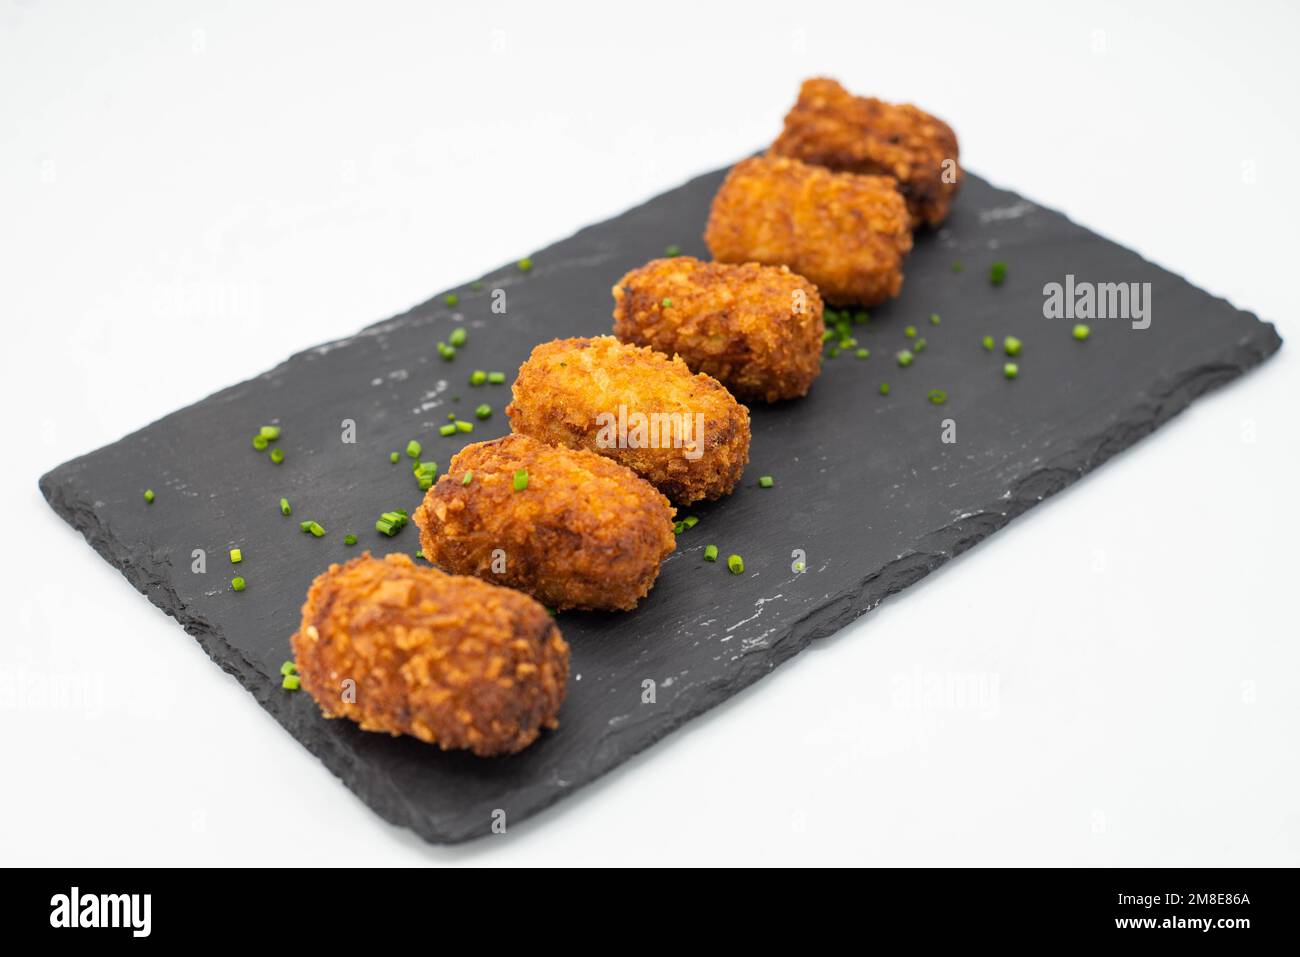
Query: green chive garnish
{"x": 315, "y": 529}
{"x": 1081, "y": 332}
{"x": 260, "y": 442}
{"x": 525, "y": 264}
{"x": 988, "y": 343}
{"x": 291, "y": 683}
{"x": 458, "y": 337}
{"x": 848, "y": 343}
{"x": 148, "y": 496}
{"x": 304, "y": 526}
{"x": 446, "y": 351}
{"x": 937, "y": 396}
{"x": 905, "y": 358}
{"x": 765, "y": 481}
{"x": 997, "y": 273}
{"x": 690, "y": 521}
{"x": 667, "y": 303}
{"x": 484, "y": 411}
{"x": 496, "y": 378}
{"x": 863, "y": 353}
{"x": 1011, "y": 346}
{"x": 957, "y": 267}
{"x": 289, "y": 668}
{"x": 269, "y": 432}
{"x": 828, "y": 335}
{"x": 393, "y": 457}
{"x": 934, "y": 318}
{"x": 477, "y": 377}
{"x": 390, "y": 523}
{"x": 1010, "y": 370}
{"x": 710, "y": 553}
{"x": 909, "y": 331}
{"x": 413, "y": 449}
{"x": 277, "y": 455}
{"x": 451, "y": 299}
{"x": 860, "y": 317}
{"x": 349, "y": 539}
{"x": 673, "y": 250}
{"x": 236, "y": 556}
{"x": 462, "y": 426}
{"x": 735, "y": 564}
{"x": 238, "y": 584}
{"x": 919, "y": 345}
{"x": 521, "y": 480}
{"x": 469, "y": 477}
{"x": 285, "y": 508}
{"x": 448, "y": 429}
{"x": 884, "y": 388}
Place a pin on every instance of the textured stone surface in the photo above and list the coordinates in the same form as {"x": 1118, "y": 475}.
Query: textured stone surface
{"x": 863, "y": 483}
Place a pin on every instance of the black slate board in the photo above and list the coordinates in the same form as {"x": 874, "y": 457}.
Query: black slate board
{"x": 863, "y": 483}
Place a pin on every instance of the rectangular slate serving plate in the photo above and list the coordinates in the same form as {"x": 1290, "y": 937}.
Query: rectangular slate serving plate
{"x": 865, "y": 487}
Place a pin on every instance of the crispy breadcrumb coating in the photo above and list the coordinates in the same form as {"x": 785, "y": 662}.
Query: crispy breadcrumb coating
{"x": 831, "y": 127}
{"x": 584, "y": 533}
{"x": 410, "y": 650}
{"x": 846, "y": 233}
{"x": 756, "y": 329}
{"x": 637, "y": 407}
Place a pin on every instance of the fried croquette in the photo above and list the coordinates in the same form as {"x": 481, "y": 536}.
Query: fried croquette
{"x": 682, "y": 432}
{"x": 449, "y": 660}
{"x": 571, "y": 528}
{"x": 830, "y": 127}
{"x": 845, "y": 233}
{"x": 756, "y": 329}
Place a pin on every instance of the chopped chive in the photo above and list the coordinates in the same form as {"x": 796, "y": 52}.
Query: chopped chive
{"x": 349, "y": 539}
{"x": 448, "y": 429}
{"x": 269, "y": 432}
{"x": 420, "y": 554}
{"x": 291, "y": 683}
{"x": 765, "y": 481}
{"x": 424, "y": 481}
{"x": 148, "y": 496}
{"x": 735, "y": 564}
{"x": 905, "y": 358}
{"x": 673, "y": 250}
{"x": 446, "y": 351}
{"x": 679, "y": 527}
{"x": 710, "y": 553}
{"x": 909, "y": 331}
{"x": 304, "y": 526}
{"x": 277, "y": 455}
{"x": 1081, "y": 332}
{"x": 469, "y": 477}
{"x": 413, "y": 449}
{"x": 521, "y": 480}
{"x": 484, "y": 411}
{"x": 260, "y": 442}
{"x": 863, "y": 353}
{"x": 1010, "y": 370}
{"x": 957, "y": 267}
{"x": 848, "y": 343}
{"x": 997, "y": 273}
{"x": 690, "y": 521}
{"x": 285, "y": 508}
{"x": 451, "y": 299}
{"x": 525, "y": 264}
{"x": 238, "y": 584}
{"x": 798, "y": 566}
{"x": 1011, "y": 346}
{"x": 934, "y": 318}
{"x": 832, "y": 352}
{"x": 289, "y": 668}
{"x": 667, "y": 303}
{"x": 496, "y": 378}
{"x": 828, "y": 335}
{"x": 458, "y": 337}
{"x": 236, "y": 556}
{"x": 477, "y": 377}
{"x": 451, "y": 416}
{"x": 919, "y": 345}
{"x": 315, "y": 529}
{"x": 884, "y": 388}
{"x": 860, "y": 317}
{"x": 463, "y": 426}
{"x": 937, "y": 396}
{"x": 393, "y": 457}
{"x": 988, "y": 343}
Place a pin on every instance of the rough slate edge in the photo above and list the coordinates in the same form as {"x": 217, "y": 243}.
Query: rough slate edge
{"x": 1168, "y": 396}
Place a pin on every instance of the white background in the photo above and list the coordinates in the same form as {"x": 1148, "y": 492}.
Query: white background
{"x": 189, "y": 192}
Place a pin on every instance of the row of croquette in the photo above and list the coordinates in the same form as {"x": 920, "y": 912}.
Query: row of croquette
{"x": 563, "y": 512}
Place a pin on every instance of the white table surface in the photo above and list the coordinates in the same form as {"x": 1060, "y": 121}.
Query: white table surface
{"x": 190, "y": 192}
